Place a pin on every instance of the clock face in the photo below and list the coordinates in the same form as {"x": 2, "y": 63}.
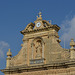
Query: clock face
{"x": 38, "y": 24}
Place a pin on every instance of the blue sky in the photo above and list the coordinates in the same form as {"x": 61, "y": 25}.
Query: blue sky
{"x": 16, "y": 14}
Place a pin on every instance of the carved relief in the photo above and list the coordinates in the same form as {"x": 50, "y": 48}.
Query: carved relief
{"x": 29, "y": 26}
{"x": 37, "y": 49}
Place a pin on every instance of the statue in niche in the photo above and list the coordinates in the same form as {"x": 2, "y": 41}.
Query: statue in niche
{"x": 38, "y": 49}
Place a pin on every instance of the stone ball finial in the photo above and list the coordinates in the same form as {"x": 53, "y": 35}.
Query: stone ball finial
{"x": 72, "y": 43}
{"x": 9, "y": 53}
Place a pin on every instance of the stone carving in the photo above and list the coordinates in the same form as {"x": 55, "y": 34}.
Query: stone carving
{"x": 29, "y": 26}
{"x": 41, "y": 52}
{"x": 38, "y": 49}
{"x": 46, "y": 23}
{"x": 37, "y": 46}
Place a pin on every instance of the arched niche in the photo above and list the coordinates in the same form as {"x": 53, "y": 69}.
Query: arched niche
{"x": 37, "y": 48}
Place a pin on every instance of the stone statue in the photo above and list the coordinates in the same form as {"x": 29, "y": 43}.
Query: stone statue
{"x": 38, "y": 48}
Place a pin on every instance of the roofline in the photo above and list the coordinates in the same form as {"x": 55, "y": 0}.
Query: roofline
{"x": 56, "y": 27}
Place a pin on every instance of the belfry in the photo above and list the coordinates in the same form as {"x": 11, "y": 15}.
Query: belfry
{"x": 41, "y": 52}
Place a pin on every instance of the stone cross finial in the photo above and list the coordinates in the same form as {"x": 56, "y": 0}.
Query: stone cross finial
{"x": 39, "y": 17}
{"x": 40, "y": 14}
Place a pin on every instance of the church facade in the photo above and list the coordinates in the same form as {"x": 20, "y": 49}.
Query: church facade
{"x": 41, "y": 53}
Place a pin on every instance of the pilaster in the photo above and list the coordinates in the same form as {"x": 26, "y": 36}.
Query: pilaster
{"x": 26, "y": 50}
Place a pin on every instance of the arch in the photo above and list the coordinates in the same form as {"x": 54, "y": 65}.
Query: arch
{"x": 38, "y": 46}
{"x": 37, "y": 38}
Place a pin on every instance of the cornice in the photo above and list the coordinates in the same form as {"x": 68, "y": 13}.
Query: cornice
{"x": 56, "y": 27}
{"x": 53, "y": 65}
